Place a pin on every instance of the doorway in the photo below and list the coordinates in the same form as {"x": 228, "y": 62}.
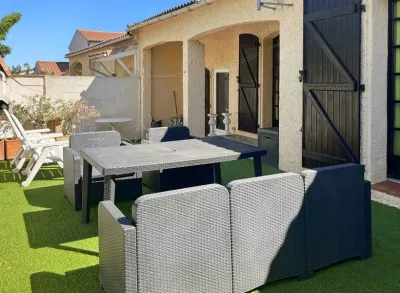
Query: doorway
{"x": 248, "y": 80}
{"x": 221, "y": 94}
{"x": 394, "y": 93}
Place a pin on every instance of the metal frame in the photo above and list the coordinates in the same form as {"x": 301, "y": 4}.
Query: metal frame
{"x": 271, "y": 5}
{"x": 275, "y": 90}
{"x": 391, "y": 158}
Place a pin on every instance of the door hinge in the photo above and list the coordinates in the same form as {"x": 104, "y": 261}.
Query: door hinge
{"x": 258, "y": 44}
{"x": 363, "y": 8}
{"x": 301, "y": 75}
{"x": 362, "y": 87}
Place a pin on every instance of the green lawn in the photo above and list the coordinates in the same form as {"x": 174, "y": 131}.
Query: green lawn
{"x": 45, "y": 248}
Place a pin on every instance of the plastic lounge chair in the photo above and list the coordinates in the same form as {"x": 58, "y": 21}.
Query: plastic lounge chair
{"x": 73, "y": 170}
{"x": 43, "y": 148}
{"x": 38, "y": 135}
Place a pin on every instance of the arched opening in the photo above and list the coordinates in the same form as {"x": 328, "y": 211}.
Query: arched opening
{"x": 224, "y": 58}
{"x": 76, "y": 69}
{"x": 167, "y": 83}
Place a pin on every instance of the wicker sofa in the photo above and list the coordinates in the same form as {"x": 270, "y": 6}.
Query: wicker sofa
{"x": 73, "y": 169}
{"x": 236, "y": 239}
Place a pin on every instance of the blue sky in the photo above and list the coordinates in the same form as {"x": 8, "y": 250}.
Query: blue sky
{"x": 47, "y": 26}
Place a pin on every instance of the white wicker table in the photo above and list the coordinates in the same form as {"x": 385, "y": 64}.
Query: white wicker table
{"x": 115, "y": 162}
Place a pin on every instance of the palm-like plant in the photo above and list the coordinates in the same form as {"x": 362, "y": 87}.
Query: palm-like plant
{"x": 6, "y": 23}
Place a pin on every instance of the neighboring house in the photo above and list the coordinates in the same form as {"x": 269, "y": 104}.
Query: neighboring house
{"x": 87, "y": 38}
{"x": 4, "y": 68}
{"x": 51, "y": 68}
{"x": 113, "y": 57}
{"x": 316, "y": 69}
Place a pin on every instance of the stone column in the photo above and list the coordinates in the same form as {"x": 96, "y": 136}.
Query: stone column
{"x": 194, "y": 87}
{"x": 145, "y": 95}
{"x": 374, "y": 43}
{"x": 213, "y": 124}
{"x": 227, "y": 122}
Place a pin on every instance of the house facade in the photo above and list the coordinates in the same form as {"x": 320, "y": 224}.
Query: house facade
{"x": 93, "y": 53}
{"x": 114, "y": 57}
{"x": 317, "y": 70}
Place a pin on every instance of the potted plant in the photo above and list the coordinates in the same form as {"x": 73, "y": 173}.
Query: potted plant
{"x": 72, "y": 114}
{"x": 39, "y": 110}
{"x": 3, "y": 122}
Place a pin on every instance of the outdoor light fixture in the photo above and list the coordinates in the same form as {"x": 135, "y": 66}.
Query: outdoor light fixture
{"x": 271, "y": 5}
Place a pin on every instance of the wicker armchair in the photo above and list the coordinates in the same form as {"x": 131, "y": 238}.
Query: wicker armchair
{"x": 73, "y": 168}
{"x": 338, "y": 215}
{"x": 180, "y": 241}
{"x": 268, "y": 235}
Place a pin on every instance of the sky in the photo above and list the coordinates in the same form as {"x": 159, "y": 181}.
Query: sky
{"x": 47, "y": 26}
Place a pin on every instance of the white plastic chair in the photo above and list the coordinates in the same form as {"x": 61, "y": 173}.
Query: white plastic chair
{"x": 37, "y": 135}
{"x": 43, "y": 148}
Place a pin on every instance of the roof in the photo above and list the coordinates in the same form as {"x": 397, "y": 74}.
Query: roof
{"x": 100, "y": 36}
{"x": 168, "y": 11}
{"x": 48, "y": 67}
{"x": 4, "y": 67}
{"x": 123, "y": 38}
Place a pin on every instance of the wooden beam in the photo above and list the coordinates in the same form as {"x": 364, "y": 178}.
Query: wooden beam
{"x": 330, "y": 53}
{"x": 125, "y": 67}
{"x": 105, "y": 68}
{"x": 325, "y": 118}
{"x": 326, "y": 14}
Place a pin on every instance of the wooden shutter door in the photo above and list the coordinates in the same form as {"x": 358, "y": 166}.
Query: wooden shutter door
{"x": 248, "y": 82}
{"x": 331, "y": 122}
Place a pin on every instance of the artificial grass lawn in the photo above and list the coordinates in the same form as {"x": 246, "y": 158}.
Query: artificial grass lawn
{"x": 45, "y": 248}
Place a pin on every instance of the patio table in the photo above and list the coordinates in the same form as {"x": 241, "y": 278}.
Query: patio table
{"x": 114, "y": 162}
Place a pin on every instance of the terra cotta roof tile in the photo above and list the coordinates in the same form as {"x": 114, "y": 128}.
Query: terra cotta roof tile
{"x": 56, "y": 68}
{"x": 4, "y": 67}
{"x": 100, "y": 36}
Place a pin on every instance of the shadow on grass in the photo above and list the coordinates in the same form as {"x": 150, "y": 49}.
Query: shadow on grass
{"x": 58, "y": 224}
{"x": 47, "y": 172}
{"x": 82, "y": 280}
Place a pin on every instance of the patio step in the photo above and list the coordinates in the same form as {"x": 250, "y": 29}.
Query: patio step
{"x": 387, "y": 192}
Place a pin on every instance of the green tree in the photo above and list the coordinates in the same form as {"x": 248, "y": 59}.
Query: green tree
{"x": 16, "y": 69}
{"x": 6, "y": 23}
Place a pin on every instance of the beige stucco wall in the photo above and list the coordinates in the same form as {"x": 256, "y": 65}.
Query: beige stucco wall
{"x": 112, "y": 96}
{"x": 196, "y": 24}
{"x": 111, "y": 66}
{"x": 19, "y": 86}
{"x": 221, "y": 52}
{"x": 374, "y": 99}
{"x": 166, "y": 77}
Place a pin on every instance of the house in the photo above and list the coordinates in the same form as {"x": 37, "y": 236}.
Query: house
{"x": 4, "y": 68}
{"x": 317, "y": 70}
{"x": 51, "y": 68}
{"x": 94, "y": 53}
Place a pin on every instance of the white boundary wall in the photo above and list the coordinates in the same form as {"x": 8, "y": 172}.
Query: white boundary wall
{"x": 112, "y": 96}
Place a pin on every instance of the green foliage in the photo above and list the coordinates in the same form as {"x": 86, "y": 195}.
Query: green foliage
{"x": 16, "y": 69}
{"x": 6, "y": 23}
